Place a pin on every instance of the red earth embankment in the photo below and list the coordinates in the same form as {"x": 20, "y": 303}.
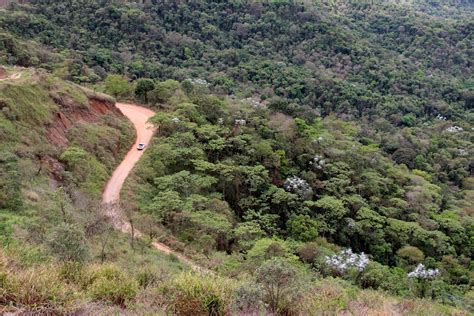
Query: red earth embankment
{"x": 70, "y": 112}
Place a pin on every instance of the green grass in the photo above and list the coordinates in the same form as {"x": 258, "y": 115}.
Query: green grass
{"x": 28, "y": 103}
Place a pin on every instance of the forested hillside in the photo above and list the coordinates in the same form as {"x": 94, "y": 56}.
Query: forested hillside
{"x": 310, "y": 140}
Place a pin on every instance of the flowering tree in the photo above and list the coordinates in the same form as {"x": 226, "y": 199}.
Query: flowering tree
{"x": 423, "y": 276}
{"x": 317, "y": 162}
{"x": 454, "y": 129}
{"x": 240, "y": 122}
{"x": 421, "y": 272}
{"x": 346, "y": 259}
{"x": 199, "y": 82}
{"x": 299, "y": 186}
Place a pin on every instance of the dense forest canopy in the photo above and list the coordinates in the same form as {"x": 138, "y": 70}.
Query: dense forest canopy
{"x": 287, "y": 129}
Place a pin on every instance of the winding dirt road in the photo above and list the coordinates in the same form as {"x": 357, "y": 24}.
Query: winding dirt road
{"x": 139, "y": 116}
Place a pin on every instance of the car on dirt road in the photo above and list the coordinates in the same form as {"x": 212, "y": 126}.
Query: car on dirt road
{"x": 141, "y": 146}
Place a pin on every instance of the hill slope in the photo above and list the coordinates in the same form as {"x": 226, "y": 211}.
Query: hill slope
{"x": 287, "y": 132}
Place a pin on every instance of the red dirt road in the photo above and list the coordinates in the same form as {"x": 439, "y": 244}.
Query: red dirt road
{"x": 138, "y": 116}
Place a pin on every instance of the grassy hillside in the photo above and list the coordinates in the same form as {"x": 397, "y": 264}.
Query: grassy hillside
{"x": 51, "y": 177}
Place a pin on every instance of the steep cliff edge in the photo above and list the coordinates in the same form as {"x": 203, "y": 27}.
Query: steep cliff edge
{"x": 54, "y": 128}
{"x": 71, "y": 112}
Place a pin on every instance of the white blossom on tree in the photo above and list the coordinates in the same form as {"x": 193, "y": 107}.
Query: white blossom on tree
{"x": 240, "y": 122}
{"x": 175, "y": 120}
{"x": 462, "y": 152}
{"x": 318, "y": 140}
{"x": 318, "y": 162}
{"x": 253, "y": 102}
{"x": 421, "y": 272}
{"x": 299, "y": 186}
{"x": 196, "y": 81}
{"x": 440, "y": 117}
{"x": 454, "y": 129}
{"x": 347, "y": 259}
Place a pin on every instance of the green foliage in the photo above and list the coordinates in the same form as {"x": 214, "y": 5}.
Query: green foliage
{"x": 88, "y": 172}
{"x": 411, "y": 255}
{"x": 68, "y": 243}
{"x": 10, "y": 186}
{"x": 248, "y": 299}
{"x": 267, "y": 248}
{"x": 199, "y": 294}
{"x": 117, "y": 86}
{"x": 371, "y": 134}
{"x": 143, "y": 88}
{"x": 247, "y": 233}
{"x": 302, "y": 228}
{"x": 110, "y": 284}
{"x": 163, "y": 91}
{"x": 217, "y": 187}
{"x": 280, "y": 284}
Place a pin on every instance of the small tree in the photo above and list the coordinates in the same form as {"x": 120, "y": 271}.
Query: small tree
{"x": 68, "y": 243}
{"x": 424, "y": 277}
{"x": 279, "y": 281}
{"x": 143, "y": 87}
{"x": 410, "y": 255}
{"x": 302, "y": 228}
{"x": 117, "y": 85}
{"x": 345, "y": 260}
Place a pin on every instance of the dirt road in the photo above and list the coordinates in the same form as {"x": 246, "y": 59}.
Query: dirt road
{"x": 138, "y": 116}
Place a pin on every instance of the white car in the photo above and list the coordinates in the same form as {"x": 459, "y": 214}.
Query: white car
{"x": 141, "y": 146}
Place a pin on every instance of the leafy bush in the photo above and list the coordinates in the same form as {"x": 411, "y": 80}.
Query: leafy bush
{"x": 248, "y": 299}
{"x": 68, "y": 243}
{"x": 373, "y": 276}
{"x": 410, "y": 255}
{"x": 281, "y": 285}
{"x": 10, "y": 193}
{"x": 88, "y": 172}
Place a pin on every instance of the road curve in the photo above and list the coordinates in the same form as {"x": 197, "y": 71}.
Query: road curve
{"x": 139, "y": 116}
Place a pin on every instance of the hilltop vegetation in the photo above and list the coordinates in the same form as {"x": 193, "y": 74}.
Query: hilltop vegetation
{"x": 323, "y": 150}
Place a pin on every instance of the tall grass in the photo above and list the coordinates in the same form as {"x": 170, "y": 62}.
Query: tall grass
{"x": 36, "y": 289}
{"x": 195, "y": 294}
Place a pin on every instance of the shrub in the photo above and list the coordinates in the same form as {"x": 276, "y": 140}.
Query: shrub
{"x": 68, "y": 243}
{"x": 193, "y": 294}
{"x": 280, "y": 284}
{"x": 309, "y": 252}
{"x": 109, "y": 284}
{"x": 117, "y": 85}
{"x": 373, "y": 276}
{"x": 410, "y": 255}
{"x": 302, "y": 227}
{"x": 149, "y": 277}
{"x": 248, "y": 300}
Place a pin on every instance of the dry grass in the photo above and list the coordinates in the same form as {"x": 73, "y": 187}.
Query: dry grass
{"x": 196, "y": 294}
{"x": 35, "y": 289}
